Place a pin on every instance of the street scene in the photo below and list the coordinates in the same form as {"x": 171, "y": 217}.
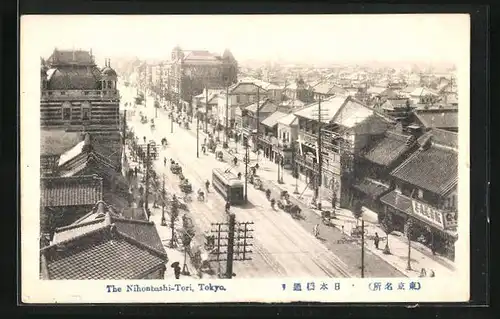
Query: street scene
{"x": 205, "y": 160}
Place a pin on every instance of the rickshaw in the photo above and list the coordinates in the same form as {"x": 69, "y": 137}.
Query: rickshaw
{"x": 201, "y": 196}
{"x": 326, "y": 217}
{"x": 186, "y": 187}
{"x": 175, "y": 168}
{"x": 220, "y": 156}
{"x": 357, "y": 231}
{"x": 295, "y": 211}
{"x": 257, "y": 183}
{"x": 164, "y": 142}
{"x": 144, "y": 119}
{"x": 284, "y": 202}
{"x": 186, "y": 125}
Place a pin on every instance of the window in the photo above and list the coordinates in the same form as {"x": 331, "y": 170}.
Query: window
{"x": 50, "y": 92}
{"x": 66, "y": 113}
{"x": 63, "y": 93}
{"x": 86, "y": 111}
{"x": 86, "y": 93}
{"x": 237, "y": 99}
{"x": 420, "y": 194}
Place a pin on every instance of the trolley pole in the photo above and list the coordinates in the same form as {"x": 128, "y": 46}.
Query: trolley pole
{"x": 163, "y": 223}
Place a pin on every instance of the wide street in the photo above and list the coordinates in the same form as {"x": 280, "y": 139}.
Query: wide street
{"x": 282, "y": 247}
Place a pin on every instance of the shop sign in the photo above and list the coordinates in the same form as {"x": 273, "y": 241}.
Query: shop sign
{"x": 428, "y": 213}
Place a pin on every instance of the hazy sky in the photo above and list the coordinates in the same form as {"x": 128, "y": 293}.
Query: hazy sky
{"x": 298, "y": 38}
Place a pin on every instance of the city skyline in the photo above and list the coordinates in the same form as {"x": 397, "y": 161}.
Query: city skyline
{"x": 430, "y": 38}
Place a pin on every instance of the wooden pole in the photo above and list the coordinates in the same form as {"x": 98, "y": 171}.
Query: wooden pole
{"x": 230, "y": 247}
{"x": 362, "y": 248}
{"x": 146, "y": 204}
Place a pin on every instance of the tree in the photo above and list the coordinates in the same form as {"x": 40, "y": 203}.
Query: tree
{"x": 174, "y": 214}
{"x": 357, "y": 210}
{"x": 388, "y": 227}
{"x": 408, "y": 230}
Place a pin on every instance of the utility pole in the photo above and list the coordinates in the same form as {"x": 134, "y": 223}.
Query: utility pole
{"x": 246, "y": 159}
{"x": 258, "y": 122}
{"x": 197, "y": 132}
{"x": 124, "y": 127}
{"x": 146, "y": 205}
{"x": 230, "y": 247}
{"x": 362, "y": 248}
{"x": 226, "y": 141}
{"x": 319, "y": 155}
{"x": 238, "y": 235}
{"x": 163, "y": 222}
{"x": 206, "y": 109}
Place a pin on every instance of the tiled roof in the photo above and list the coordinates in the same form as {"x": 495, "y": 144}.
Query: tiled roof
{"x": 74, "y": 78}
{"x": 445, "y": 118}
{"x": 56, "y": 142}
{"x": 371, "y": 188}
{"x": 398, "y": 201}
{"x": 385, "y": 151}
{"x": 322, "y": 88}
{"x": 422, "y": 91}
{"x": 265, "y": 106}
{"x": 102, "y": 216}
{"x": 70, "y": 57}
{"x": 288, "y": 120}
{"x": 70, "y": 191}
{"x": 329, "y": 108}
{"x": 433, "y": 168}
{"x": 103, "y": 254}
{"x": 392, "y": 104}
{"x": 272, "y": 120}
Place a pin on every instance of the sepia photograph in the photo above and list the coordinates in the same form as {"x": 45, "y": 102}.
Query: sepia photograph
{"x": 245, "y": 158}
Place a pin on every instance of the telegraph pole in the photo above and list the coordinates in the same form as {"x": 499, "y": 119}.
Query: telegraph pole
{"x": 319, "y": 159}
{"x": 230, "y": 247}
{"x": 163, "y": 223}
{"x": 206, "y": 109}
{"x": 146, "y": 205}
{"x": 124, "y": 125}
{"x": 240, "y": 241}
{"x": 247, "y": 159}
{"x": 227, "y": 115}
{"x": 197, "y": 133}
{"x": 258, "y": 122}
{"x": 295, "y": 169}
{"x": 362, "y": 248}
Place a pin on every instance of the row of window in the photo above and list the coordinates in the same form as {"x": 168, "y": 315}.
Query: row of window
{"x": 67, "y": 114}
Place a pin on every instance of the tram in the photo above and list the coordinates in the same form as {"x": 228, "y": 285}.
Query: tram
{"x": 228, "y": 185}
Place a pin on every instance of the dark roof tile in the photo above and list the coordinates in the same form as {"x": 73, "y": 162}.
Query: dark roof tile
{"x": 105, "y": 254}
{"x": 71, "y": 191}
{"x": 433, "y": 168}
{"x": 391, "y": 147}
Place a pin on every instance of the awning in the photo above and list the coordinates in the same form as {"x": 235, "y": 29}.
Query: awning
{"x": 397, "y": 201}
{"x": 371, "y": 188}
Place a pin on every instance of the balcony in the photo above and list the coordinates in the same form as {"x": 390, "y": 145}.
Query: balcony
{"x": 307, "y": 162}
{"x": 55, "y": 95}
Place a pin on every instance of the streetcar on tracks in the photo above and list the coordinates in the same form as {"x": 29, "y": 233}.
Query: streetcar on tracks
{"x": 228, "y": 185}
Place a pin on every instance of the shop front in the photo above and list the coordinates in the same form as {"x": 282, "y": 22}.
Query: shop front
{"x": 370, "y": 191}
{"x": 435, "y": 228}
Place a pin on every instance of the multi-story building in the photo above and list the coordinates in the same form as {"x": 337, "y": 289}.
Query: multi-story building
{"x": 232, "y": 101}
{"x": 191, "y": 71}
{"x": 347, "y": 126}
{"x": 426, "y": 192}
{"x": 76, "y": 95}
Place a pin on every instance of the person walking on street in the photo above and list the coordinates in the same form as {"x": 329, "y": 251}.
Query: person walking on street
{"x": 177, "y": 271}
{"x": 376, "y": 240}
{"x": 316, "y": 230}
{"x": 165, "y": 161}
{"x": 135, "y": 171}
{"x": 228, "y": 206}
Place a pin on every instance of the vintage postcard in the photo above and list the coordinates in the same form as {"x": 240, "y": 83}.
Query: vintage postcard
{"x": 245, "y": 158}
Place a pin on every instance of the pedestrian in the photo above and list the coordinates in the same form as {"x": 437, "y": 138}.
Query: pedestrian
{"x": 177, "y": 271}
{"x": 316, "y": 230}
{"x": 165, "y": 161}
{"x": 376, "y": 240}
{"x": 334, "y": 201}
{"x": 135, "y": 171}
{"x": 228, "y": 206}
{"x": 423, "y": 273}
